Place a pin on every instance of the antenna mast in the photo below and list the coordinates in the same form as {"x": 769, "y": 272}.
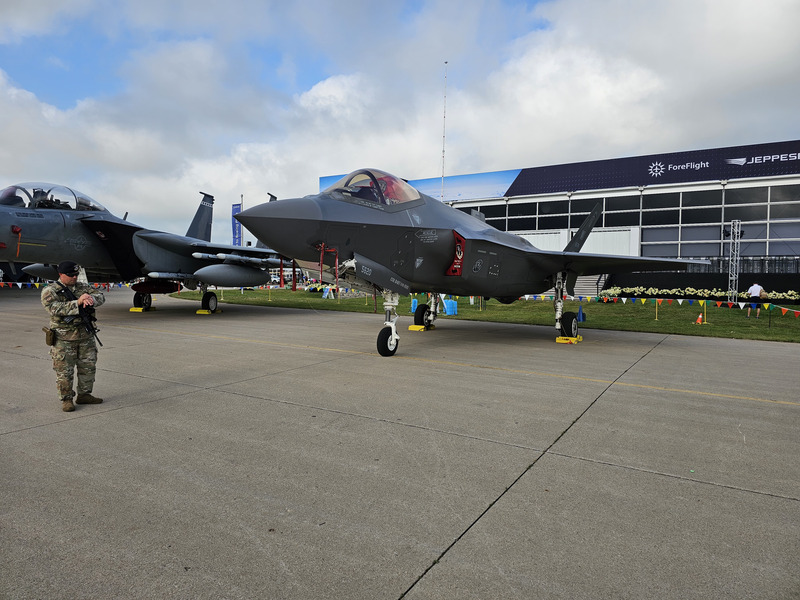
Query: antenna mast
{"x": 444, "y": 128}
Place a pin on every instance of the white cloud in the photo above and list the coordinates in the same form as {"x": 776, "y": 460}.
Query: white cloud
{"x": 209, "y": 101}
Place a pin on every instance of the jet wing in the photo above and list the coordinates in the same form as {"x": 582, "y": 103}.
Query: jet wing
{"x": 116, "y": 235}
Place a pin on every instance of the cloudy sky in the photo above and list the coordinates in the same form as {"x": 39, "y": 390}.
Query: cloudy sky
{"x": 142, "y": 103}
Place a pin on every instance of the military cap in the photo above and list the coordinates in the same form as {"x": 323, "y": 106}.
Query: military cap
{"x": 68, "y": 268}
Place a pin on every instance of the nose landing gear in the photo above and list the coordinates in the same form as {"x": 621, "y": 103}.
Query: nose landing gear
{"x": 388, "y": 340}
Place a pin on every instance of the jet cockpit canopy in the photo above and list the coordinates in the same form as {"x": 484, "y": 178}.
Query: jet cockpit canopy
{"x": 375, "y": 186}
{"x": 47, "y": 195}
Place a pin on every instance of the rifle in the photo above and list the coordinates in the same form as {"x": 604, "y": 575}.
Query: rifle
{"x": 85, "y": 314}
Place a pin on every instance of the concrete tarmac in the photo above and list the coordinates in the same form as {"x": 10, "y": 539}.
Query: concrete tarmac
{"x": 271, "y": 453}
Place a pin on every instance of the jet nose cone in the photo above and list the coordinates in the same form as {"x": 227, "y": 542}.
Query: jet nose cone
{"x": 291, "y": 227}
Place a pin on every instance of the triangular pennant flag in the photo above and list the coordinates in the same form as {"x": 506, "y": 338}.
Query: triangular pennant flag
{"x": 615, "y": 300}
{"x": 719, "y": 303}
{"x": 796, "y": 314}
{"x": 752, "y": 305}
{"x": 644, "y": 300}
{"x": 741, "y": 305}
{"x": 702, "y": 302}
{"x": 680, "y": 301}
{"x": 19, "y": 285}
{"x": 784, "y": 310}
{"x": 624, "y": 300}
{"x": 660, "y": 301}
{"x": 730, "y": 304}
{"x": 767, "y": 306}
{"x": 669, "y": 301}
{"x": 691, "y": 301}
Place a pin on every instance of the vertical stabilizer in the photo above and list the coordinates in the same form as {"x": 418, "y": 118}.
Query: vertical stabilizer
{"x": 579, "y": 239}
{"x": 201, "y": 224}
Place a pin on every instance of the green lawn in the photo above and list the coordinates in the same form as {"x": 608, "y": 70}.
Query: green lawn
{"x": 672, "y": 318}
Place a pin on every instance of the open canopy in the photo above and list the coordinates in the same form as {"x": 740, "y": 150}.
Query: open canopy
{"x": 47, "y": 196}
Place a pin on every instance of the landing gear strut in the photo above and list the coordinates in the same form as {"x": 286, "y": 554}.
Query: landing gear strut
{"x": 566, "y": 323}
{"x": 388, "y": 340}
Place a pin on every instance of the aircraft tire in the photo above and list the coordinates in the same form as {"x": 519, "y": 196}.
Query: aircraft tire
{"x": 146, "y": 301}
{"x": 422, "y": 315}
{"x": 209, "y": 301}
{"x": 569, "y": 324}
{"x": 137, "y": 299}
{"x": 386, "y": 347}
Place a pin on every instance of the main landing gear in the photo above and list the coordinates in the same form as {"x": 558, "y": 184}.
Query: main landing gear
{"x": 566, "y": 323}
{"x": 142, "y": 300}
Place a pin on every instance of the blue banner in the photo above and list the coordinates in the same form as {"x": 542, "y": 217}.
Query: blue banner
{"x": 237, "y": 227}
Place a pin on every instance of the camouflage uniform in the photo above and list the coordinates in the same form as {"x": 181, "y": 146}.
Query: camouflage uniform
{"x": 75, "y": 347}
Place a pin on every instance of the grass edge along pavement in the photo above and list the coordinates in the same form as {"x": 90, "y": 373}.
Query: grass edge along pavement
{"x": 780, "y": 323}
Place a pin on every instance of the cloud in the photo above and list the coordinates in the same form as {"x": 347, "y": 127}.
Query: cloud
{"x": 250, "y": 97}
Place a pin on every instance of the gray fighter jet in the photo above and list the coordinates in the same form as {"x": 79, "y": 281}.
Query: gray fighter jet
{"x": 373, "y": 231}
{"x": 42, "y": 224}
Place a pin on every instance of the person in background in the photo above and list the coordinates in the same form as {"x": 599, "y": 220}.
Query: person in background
{"x": 754, "y": 291}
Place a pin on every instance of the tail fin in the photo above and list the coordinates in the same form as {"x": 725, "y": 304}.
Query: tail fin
{"x": 201, "y": 224}
{"x": 577, "y": 241}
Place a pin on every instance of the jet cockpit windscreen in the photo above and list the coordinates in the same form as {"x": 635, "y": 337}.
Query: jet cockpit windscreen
{"x": 375, "y": 186}
{"x": 47, "y": 195}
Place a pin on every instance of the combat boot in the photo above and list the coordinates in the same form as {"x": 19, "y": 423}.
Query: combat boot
{"x": 87, "y": 399}
{"x": 67, "y": 405}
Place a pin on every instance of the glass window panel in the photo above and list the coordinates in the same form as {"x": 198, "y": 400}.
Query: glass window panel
{"x": 700, "y": 233}
{"x": 672, "y": 200}
{"x": 664, "y": 250}
{"x": 785, "y": 193}
{"x": 703, "y": 198}
{"x": 702, "y": 215}
{"x": 528, "y": 224}
{"x": 784, "y": 248}
{"x": 554, "y": 222}
{"x": 746, "y": 213}
{"x": 753, "y": 231}
{"x": 522, "y": 210}
{"x": 660, "y": 234}
{"x": 576, "y": 221}
{"x": 784, "y": 211}
{"x": 746, "y": 195}
{"x": 494, "y": 211}
{"x": 554, "y": 208}
{"x": 497, "y": 223}
{"x": 754, "y": 249}
{"x": 464, "y": 209}
{"x": 784, "y": 230}
{"x": 661, "y": 217}
{"x": 700, "y": 249}
{"x": 622, "y": 203}
{"x": 585, "y": 205}
{"x": 622, "y": 219}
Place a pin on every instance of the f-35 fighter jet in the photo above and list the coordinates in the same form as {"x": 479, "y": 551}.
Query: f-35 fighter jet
{"x": 374, "y": 232}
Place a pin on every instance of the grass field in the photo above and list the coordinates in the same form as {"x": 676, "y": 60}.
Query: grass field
{"x": 673, "y": 318}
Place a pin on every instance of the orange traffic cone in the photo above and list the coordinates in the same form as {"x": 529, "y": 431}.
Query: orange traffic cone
{"x": 699, "y": 320}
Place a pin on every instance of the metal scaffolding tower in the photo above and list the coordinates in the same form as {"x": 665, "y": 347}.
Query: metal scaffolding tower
{"x": 733, "y": 261}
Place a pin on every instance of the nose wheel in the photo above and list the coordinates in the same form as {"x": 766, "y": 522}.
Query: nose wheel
{"x": 388, "y": 340}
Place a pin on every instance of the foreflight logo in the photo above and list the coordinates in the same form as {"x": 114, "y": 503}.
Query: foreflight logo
{"x": 657, "y": 169}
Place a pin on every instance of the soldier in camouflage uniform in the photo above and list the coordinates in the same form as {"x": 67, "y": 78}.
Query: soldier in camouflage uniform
{"x": 74, "y": 347}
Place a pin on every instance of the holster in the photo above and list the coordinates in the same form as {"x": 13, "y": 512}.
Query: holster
{"x": 49, "y": 336}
